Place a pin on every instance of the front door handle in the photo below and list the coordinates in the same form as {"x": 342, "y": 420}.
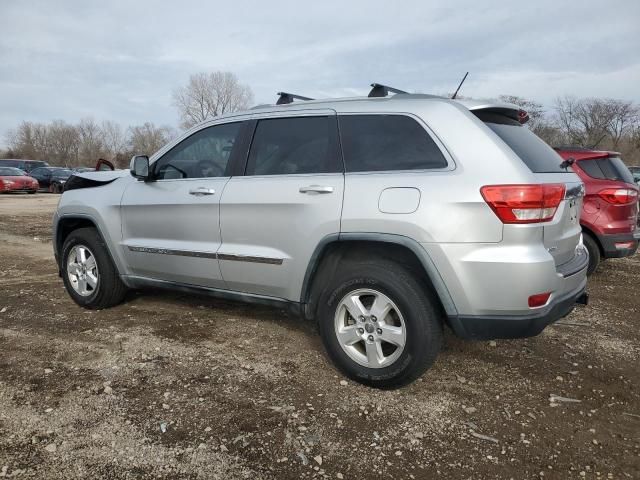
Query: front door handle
{"x": 202, "y": 191}
{"x": 316, "y": 189}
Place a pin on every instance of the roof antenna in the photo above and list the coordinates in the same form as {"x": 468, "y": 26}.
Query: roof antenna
{"x": 457, "y": 89}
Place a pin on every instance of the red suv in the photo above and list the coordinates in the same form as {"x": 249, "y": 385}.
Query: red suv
{"x": 609, "y": 217}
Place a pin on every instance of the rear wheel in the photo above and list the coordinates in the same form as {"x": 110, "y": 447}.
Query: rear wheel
{"x": 88, "y": 273}
{"x": 379, "y": 324}
{"x": 594, "y": 252}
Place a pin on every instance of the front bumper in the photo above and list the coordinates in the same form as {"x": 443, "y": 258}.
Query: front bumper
{"x": 609, "y": 242}
{"x": 516, "y": 326}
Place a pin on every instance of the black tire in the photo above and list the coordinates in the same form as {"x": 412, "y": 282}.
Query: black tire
{"x": 32, "y": 192}
{"x": 419, "y": 308}
{"x": 110, "y": 290}
{"x": 594, "y": 252}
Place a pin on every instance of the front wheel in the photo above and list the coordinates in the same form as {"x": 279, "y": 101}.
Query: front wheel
{"x": 88, "y": 273}
{"x": 379, "y": 324}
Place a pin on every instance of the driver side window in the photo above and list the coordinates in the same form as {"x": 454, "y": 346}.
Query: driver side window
{"x": 204, "y": 154}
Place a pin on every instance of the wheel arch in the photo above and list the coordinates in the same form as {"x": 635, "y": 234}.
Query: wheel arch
{"x": 334, "y": 248}
{"x": 595, "y": 238}
{"x": 66, "y": 224}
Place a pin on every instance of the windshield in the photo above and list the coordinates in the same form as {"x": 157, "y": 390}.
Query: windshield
{"x": 532, "y": 150}
{"x": 11, "y": 172}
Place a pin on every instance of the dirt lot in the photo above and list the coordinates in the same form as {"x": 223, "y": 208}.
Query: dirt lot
{"x": 175, "y": 386}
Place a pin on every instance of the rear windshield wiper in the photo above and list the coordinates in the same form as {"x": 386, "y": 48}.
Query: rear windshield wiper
{"x": 567, "y": 163}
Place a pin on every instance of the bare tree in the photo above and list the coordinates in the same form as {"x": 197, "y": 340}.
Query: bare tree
{"x": 91, "y": 141}
{"x": 623, "y": 117}
{"x": 29, "y": 140}
{"x": 208, "y": 95}
{"x": 147, "y": 139}
{"x": 114, "y": 138}
{"x": 585, "y": 122}
{"x": 64, "y": 143}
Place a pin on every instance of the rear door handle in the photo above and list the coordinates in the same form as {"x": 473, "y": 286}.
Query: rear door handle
{"x": 201, "y": 191}
{"x": 316, "y": 189}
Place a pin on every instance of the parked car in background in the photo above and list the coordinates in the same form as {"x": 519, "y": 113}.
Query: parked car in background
{"x": 609, "y": 215}
{"x": 16, "y": 180}
{"x": 45, "y": 175}
{"x": 382, "y": 219}
{"x": 26, "y": 165}
{"x": 635, "y": 171}
{"x": 59, "y": 178}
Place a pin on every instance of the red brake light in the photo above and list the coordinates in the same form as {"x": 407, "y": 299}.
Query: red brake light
{"x": 539, "y": 299}
{"x": 619, "y": 196}
{"x": 524, "y": 203}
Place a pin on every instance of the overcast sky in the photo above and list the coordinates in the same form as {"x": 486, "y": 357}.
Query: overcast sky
{"x": 120, "y": 60}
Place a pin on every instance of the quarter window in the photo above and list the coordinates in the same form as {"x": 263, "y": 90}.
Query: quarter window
{"x": 204, "y": 154}
{"x": 289, "y": 146}
{"x": 373, "y": 143}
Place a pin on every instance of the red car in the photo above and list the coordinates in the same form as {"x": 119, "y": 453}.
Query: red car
{"x": 609, "y": 217}
{"x": 15, "y": 180}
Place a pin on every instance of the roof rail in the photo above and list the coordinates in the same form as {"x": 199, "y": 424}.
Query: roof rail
{"x": 380, "y": 90}
{"x": 289, "y": 97}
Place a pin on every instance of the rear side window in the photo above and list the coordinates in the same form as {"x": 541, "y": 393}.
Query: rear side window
{"x": 534, "y": 152}
{"x": 290, "y": 146}
{"x": 611, "y": 168}
{"x": 373, "y": 143}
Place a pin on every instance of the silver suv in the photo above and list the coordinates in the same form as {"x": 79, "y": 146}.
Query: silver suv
{"x": 382, "y": 219}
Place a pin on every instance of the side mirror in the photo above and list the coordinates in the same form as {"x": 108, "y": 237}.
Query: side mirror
{"x": 139, "y": 167}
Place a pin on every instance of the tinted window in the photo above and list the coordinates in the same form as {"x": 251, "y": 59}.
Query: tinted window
{"x": 11, "y": 163}
{"x": 11, "y": 172}
{"x": 615, "y": 169}
{"x": 204, "y": 154}
{"x": 287, "y": 146}
{"x": 611, "y": 168}
{"x": 535, "y": 153}
{"x": 35, "y": 164}
{"x": 40, "y": 171}
{"x": 387, "y": 142}
{"x": 591, "y": 168}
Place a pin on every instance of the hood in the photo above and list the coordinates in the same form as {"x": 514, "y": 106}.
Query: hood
{"x": 103, "y": 176}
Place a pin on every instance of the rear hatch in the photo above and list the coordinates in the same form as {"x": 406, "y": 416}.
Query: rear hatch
{"x": 609, "y": 172}
{"x": 562, "y": 234}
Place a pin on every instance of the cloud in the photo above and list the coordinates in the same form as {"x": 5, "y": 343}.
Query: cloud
{"x": 121, "y": 60}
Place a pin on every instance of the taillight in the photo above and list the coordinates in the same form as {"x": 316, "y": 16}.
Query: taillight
{"x": 524, "y": 203}
{"x": 619, "y": 196}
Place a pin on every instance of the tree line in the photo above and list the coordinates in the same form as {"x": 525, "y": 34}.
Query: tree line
{"x": 605, "y": 124}
{"x": 599, "y": 123}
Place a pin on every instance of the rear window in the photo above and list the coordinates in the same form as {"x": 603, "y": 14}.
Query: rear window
{"x": 387, "y": 142}
{"x": 535, "y": 153}
{"x": 611, "y": 168}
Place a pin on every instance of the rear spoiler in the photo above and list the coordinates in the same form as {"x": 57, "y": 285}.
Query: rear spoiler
{"x": 509, "y": 110}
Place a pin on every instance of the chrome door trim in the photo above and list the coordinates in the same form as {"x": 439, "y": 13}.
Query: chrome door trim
{"x": 167, "y": 251}
{"x": 213, "y": 255}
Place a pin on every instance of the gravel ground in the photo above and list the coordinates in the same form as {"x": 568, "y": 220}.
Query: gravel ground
{"x": 176, "y": 386}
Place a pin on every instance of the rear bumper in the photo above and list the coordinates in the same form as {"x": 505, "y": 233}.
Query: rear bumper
{"x": 516, "y": 326}
{"x": 609, "y": 248}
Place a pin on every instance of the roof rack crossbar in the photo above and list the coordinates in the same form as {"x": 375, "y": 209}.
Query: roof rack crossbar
{"x": 379, "y": 90}
{"x": 286, "y": 97}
